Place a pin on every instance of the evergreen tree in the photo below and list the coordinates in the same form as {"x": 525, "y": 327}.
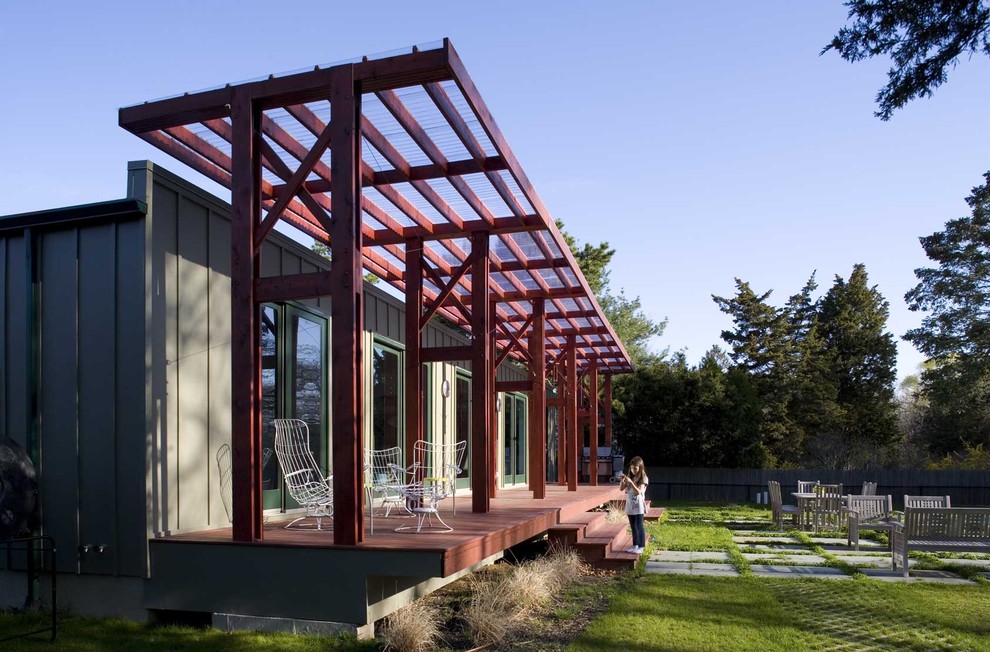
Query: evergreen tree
{"x": 812, "y": 387}
{"x": 955, "y": 334}
{"x": 761, "y": 346}
{"x": 863, "y": 355}
{"x": 923, "y": 40}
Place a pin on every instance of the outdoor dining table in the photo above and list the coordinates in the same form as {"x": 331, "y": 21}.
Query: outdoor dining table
{"x": 806, "y": 505}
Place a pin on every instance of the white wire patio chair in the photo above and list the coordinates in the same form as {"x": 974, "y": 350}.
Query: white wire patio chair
{"x": 223, "y": 468}
{"x": 383, "y": 477}
{"x": 434, "y": 474}
{"x": 304, "y": 479}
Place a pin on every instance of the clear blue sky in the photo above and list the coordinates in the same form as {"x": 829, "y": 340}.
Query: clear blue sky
{"x": 704, "y": 142}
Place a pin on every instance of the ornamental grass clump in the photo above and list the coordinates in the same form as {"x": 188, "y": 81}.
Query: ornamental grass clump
{"x": 493, "y": 609}
{"x": 502, "y": 598}
{"x": 615, "y": 512}
{"x": 414, "y": 628}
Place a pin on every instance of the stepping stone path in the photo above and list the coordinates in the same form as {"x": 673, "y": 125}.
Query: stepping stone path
{"x": 779, "y": 555}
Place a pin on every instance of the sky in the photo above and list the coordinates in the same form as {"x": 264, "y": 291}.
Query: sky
{"x": 703, "y": 142}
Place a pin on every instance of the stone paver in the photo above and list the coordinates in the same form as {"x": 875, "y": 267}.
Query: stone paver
{"x": 775, "y": 546}
{"x": 790, "y": 560}
{"x": 937, "y": 577}
{"x": 744, "y": 540}
{"x": 678, "y": 555}
{"x": 776, "y": 570}
{"x": 680, "y": 568}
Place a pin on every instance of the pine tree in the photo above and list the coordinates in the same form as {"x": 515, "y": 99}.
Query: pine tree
{"x": 955, "y": 334}
{"x": 853, "y": 318}
{"x": 760, "y": 346}
{"x": 812, "y": 386}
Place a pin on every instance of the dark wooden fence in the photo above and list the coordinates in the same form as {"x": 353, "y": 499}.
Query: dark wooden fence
{"x": 967, "y": 488}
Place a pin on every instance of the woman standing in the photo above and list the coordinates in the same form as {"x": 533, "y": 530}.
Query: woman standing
{"x": 635, "y": 485}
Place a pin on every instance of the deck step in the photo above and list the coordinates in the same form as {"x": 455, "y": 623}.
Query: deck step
{"x": 600, "y": 543}
{"x": 654, "y": 513}
{"x": 575, "y": 529}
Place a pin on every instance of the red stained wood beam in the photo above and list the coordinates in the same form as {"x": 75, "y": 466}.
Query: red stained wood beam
{"x": 513, "y": 386}
{"x": 608, "y": 409}
{"x": 593, "y": 425}
{"x": 571, "y": 419}
{"x": 414, "y": 346}
{"x": 446, "y": 353}
{"x": 245, "y": 336}
{"x": 433, "y": 171}
{"x": 537, "y": 430}
{"x": 291, "y": 287}
{"x": 481, "y": 382}
{"x": 347, "y": 310}
{"x": 392, "y": 72}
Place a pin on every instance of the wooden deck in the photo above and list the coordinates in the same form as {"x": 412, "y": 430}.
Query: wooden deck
{"x": 302, "y": 575}
{"x": 515, "y": 517}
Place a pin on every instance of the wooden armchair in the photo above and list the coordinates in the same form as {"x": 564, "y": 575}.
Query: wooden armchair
{"x": 868, "y": 513}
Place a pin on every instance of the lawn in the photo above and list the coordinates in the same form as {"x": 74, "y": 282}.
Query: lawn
{"x": 675, "y": 612}
{"x": 125, "y": 636}
{"x": 681, "y": 613}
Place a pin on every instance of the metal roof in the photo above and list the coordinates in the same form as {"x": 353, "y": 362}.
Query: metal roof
{"x": 434, "y": 167}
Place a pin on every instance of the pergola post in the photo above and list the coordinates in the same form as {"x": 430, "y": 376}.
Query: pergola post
{"x": 481, "y": 384}
{"x": 593, "y": 424}
{"x": 537, "y": 402}
{"x": 346, "y": 309}
{"x": 571, "y": 405}
{"x": 608, "y": 410}
{"x": 414, "y": 344}
{"x": 494, "y": 414}
{"x": 245, "y": 334}
{"x": 562, "y": 436}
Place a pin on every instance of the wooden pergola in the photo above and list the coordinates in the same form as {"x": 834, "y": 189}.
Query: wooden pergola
{"x": 396, "y": 164}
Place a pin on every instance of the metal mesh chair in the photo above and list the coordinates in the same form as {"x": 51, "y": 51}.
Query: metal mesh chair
{"x": 223, "y": 467}
{"x": 384, "y": 475}
{"x": 303, "y": 477}
{"x": 434, "y": 474}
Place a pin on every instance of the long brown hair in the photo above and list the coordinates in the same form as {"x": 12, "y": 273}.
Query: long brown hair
{"x": 638, "y": 461}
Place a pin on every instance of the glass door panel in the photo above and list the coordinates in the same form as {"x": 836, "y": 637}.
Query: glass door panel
{"x": 514, "y": 439}
{"x": 462, "y": 425}
{"x": 271, "y": 406}
{"x": 386, "y": 398}
{"x": 306, "y": 375}
{"x": 519, "y": 441}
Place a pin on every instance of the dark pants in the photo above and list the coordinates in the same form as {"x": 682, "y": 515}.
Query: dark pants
{"x": 638, "y": 530}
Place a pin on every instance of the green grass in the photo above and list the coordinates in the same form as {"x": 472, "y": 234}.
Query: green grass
{"x": 85, "y": 634}
{"x": 672, "y": 612}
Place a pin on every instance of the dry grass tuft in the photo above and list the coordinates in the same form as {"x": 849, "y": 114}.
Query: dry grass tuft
{"x": 414, "y": 628}
{"x": 501, "y": 600}
{"x": 615, "y": 513}
{"x": 492, "y": 611}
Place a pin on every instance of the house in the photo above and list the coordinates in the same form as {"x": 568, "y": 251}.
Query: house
{"x": 141, "y": 336}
